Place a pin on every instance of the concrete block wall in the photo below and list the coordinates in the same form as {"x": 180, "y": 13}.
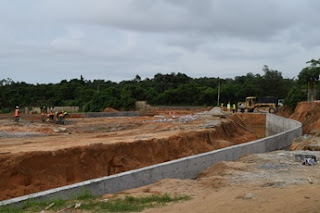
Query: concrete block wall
{"x": 189, "y": 167}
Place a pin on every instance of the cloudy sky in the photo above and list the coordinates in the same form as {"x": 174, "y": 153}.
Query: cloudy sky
{"x": 44, "y": 41}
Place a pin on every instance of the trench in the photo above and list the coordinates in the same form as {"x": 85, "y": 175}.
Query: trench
{"x": 29, "y": 172}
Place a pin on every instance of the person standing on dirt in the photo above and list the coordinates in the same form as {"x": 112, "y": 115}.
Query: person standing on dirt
{"x": 228, "y": 107}
{"x": 242, "y": 107}
{"x": 43, "y": 114}
{"x": 16, "y": 114}
{"x": 51, "y": 114}
{"x": 234, "y": 108}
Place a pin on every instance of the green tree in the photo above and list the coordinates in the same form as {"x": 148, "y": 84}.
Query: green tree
{"x": 294, "y": 96}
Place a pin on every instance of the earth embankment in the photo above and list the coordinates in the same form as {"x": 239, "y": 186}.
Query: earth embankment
{"x": 308, "y": 113}
{"x": 28, "y": 172}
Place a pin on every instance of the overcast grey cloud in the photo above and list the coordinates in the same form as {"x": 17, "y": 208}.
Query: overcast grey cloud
{"x": 45, "y": 41}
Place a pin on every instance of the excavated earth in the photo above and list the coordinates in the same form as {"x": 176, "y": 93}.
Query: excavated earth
{"x": 308, "y": 113}
{"x": 37, "y": 156}
{"x": 267, "y": 182}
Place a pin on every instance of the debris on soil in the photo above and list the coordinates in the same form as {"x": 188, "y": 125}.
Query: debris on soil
{"x": 49, "y": 206}
{"x": 77, "y": 205}
{"x": 249, "y": 196}
{"x": 306, "y": 142}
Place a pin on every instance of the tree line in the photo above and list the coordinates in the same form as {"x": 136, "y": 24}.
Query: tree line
{"x": 162, "y": 89}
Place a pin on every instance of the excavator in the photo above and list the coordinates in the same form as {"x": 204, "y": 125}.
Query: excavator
{"x": 265, "y": 104}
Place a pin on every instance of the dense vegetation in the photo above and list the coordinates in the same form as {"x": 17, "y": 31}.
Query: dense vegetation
{"x": 162, "y": 89}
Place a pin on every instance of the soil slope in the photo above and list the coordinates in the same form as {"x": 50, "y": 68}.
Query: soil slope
{"x": 308, "y": 113}
{"x": 84, "y": 151}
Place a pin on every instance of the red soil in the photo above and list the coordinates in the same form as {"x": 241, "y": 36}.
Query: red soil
{"x": 37, "y": 170}
{"x": 308, "y": 113}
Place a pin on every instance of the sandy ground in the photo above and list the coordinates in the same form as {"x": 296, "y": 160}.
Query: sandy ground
{"x": 82, "y": 132}
{"x": 34, "y": 136}
{"x": 270, "y": 182}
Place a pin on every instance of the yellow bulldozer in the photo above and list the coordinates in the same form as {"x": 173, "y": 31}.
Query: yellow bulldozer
{"x": 265, "y": 104}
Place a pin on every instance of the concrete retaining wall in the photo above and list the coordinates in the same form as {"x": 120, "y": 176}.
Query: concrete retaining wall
{"x": 185, "y": 168}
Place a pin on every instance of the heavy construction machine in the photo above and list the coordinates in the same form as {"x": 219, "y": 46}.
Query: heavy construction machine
{"x": 265, "y": 104}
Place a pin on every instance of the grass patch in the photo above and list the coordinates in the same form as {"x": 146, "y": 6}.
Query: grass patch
{"x": 35, "y": 206}
{"x": 85, "y": 195}
{"x": 92, "y": 204}
{"x": 133, "y": 204}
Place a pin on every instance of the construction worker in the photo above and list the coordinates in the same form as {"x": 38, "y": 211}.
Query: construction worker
{"x": 242, "y": 107}
{"x": 234, "y": 108}
{"x": 61, "y": 116}
{"x": 51, "y": 114}
{"x": 43, "y": 114}
{"x": 228, "y": 107}
{"x": 16, "y": 114}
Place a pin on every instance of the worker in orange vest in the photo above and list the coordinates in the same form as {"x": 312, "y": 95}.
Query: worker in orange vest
{"x": 16, "y": 114}
{"x": 51, "y": 114}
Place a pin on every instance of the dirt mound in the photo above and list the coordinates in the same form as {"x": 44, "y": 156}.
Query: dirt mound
{"x": 308, "y": 113}
{"x": 216, "y": 111}
{"x": 223, "y": 168}
{"x": 109, "y": 109}
{"x": 28, "y": 172}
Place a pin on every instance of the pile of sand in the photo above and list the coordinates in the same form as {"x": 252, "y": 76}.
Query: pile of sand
{"x": 109, "y": 109}
{"x": 216, "y": 111}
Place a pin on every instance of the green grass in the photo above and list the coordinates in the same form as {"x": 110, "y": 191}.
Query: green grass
{"x": 133, "y": 204}
{"x": 92, "y": 204}
{"x": 34, "y": 206}
{"x": 85, "y": 195}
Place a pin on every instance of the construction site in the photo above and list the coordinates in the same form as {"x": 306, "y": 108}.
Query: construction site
{"x": 37, "y": 156}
